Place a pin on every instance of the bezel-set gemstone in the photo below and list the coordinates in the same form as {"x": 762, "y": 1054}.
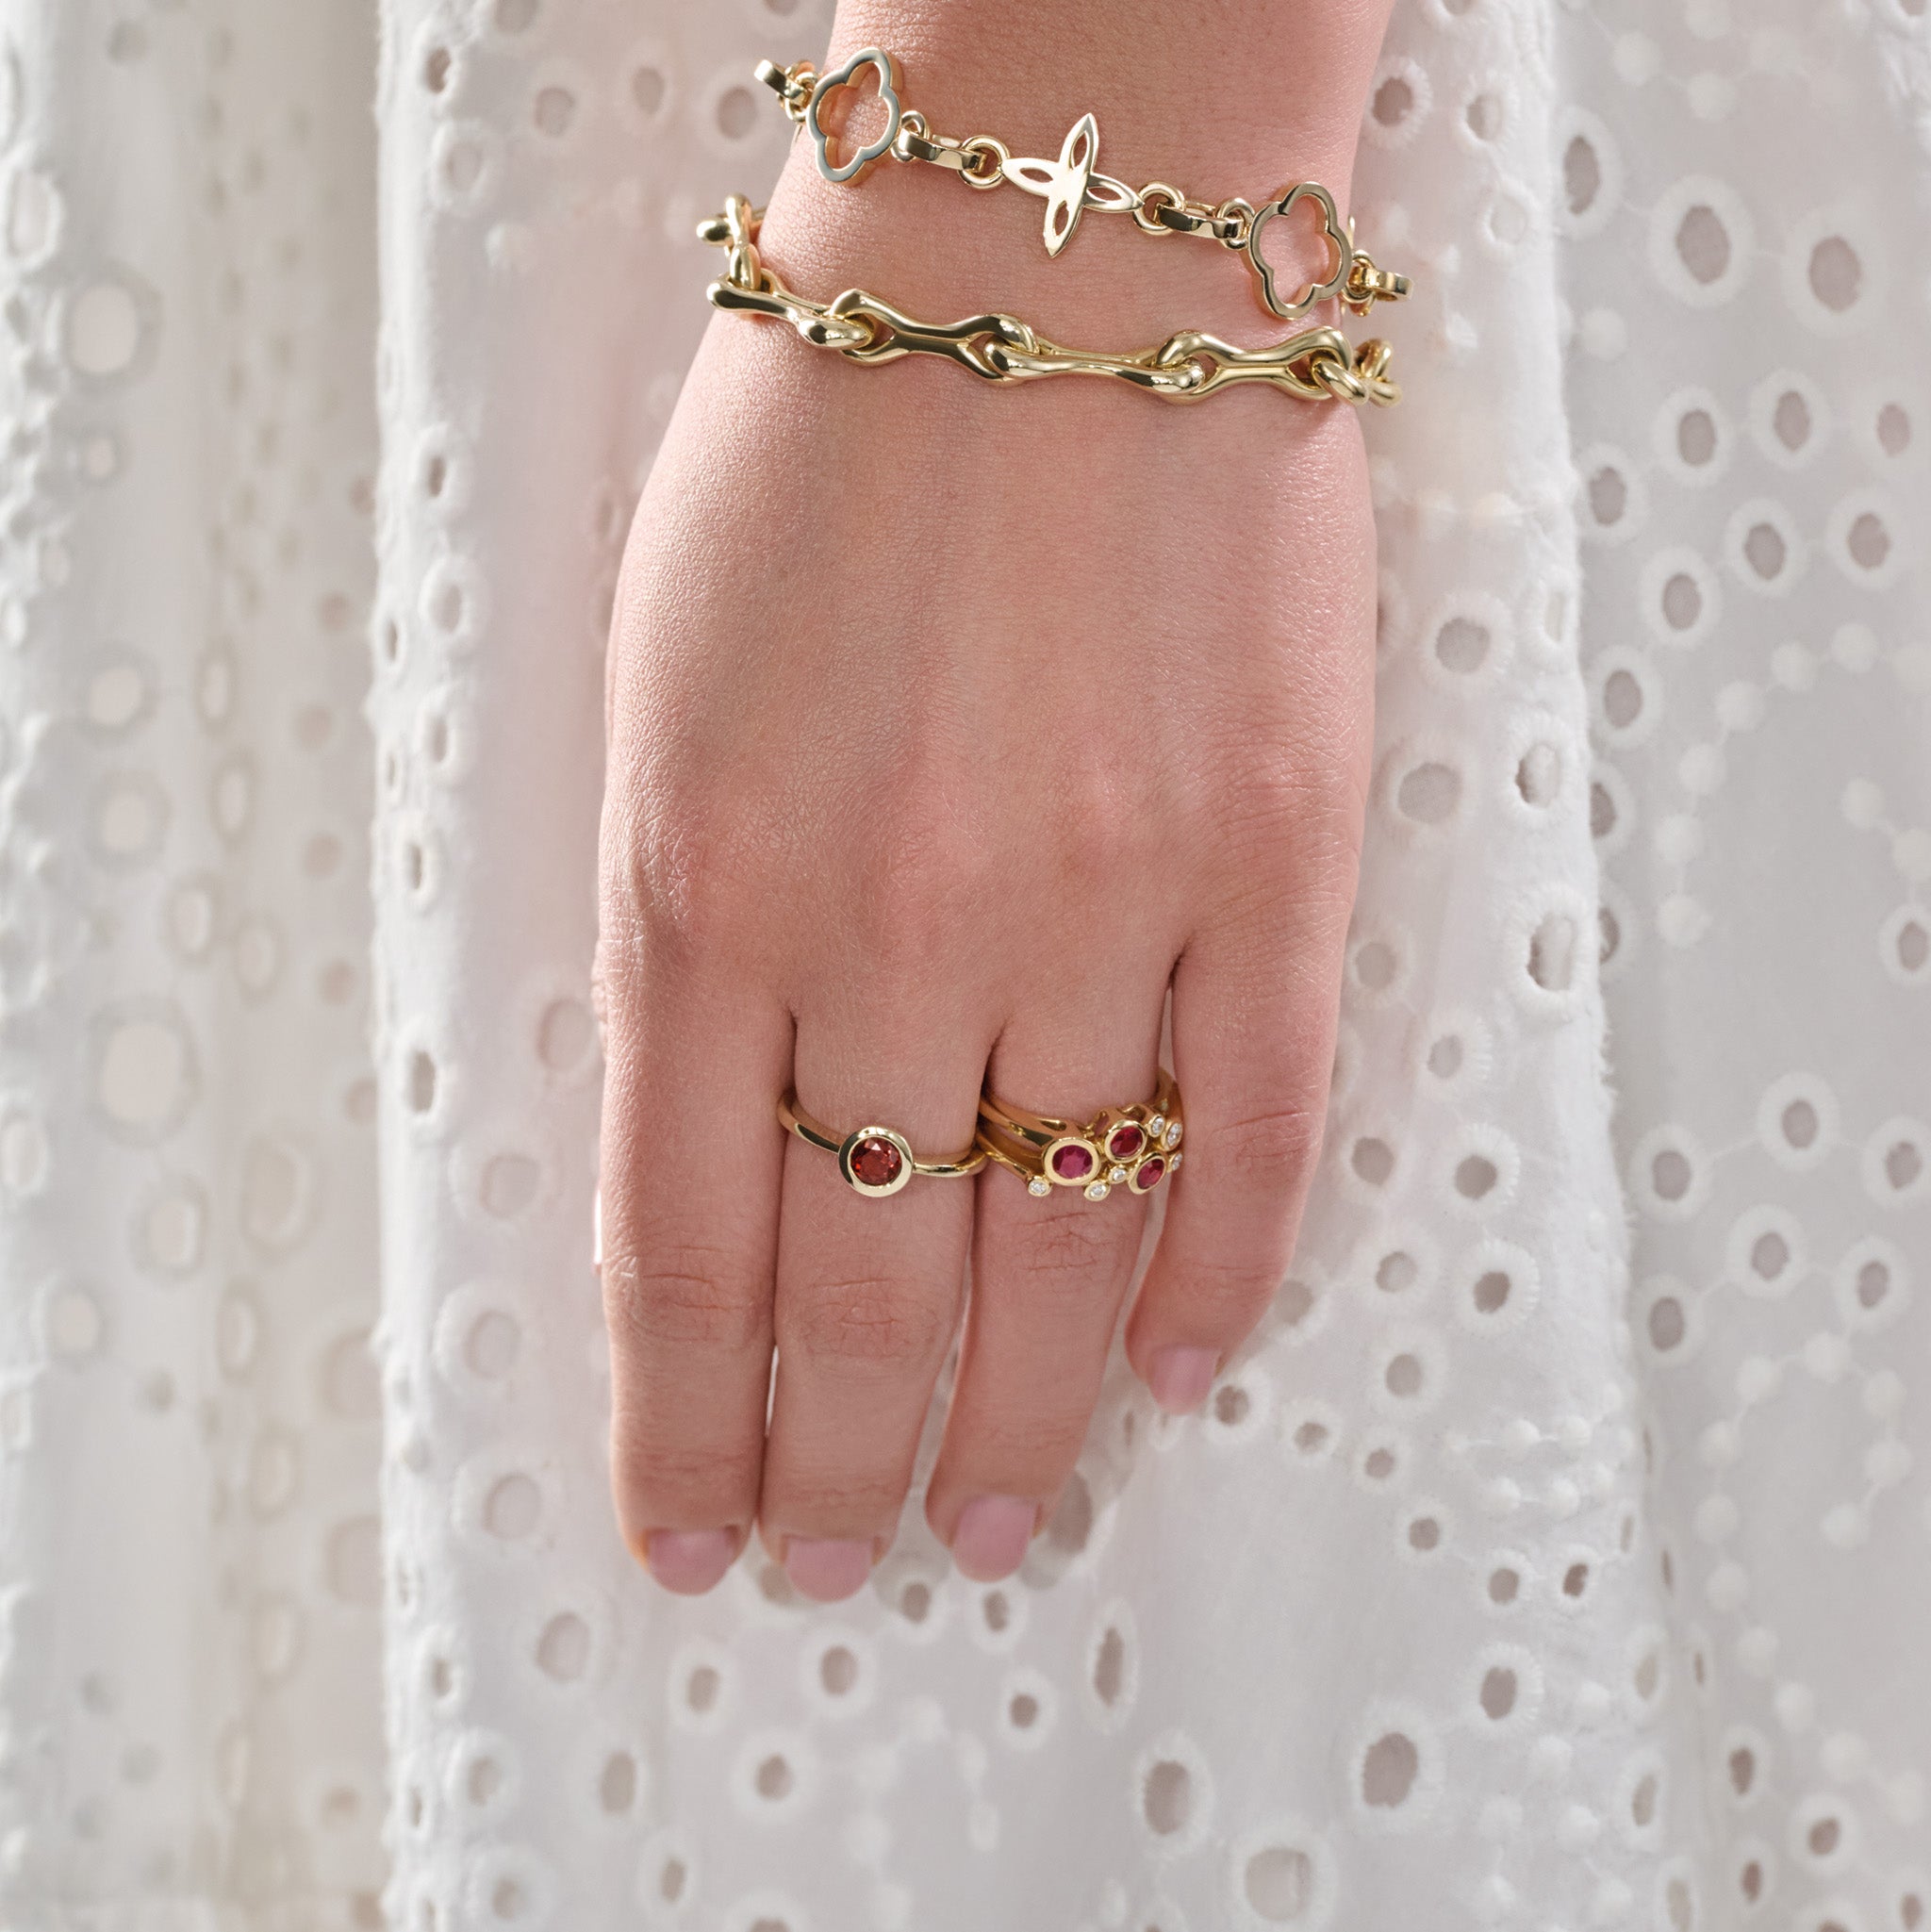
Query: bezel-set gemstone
{"x": 1155, "y": 1126}
{"x": 1172, "y": 1137}
{"x": 1115, "y": 1175}
{"x": 1072, "y": 1162}
{"x": 1097, "y": 1189}
{"x": 876, "y": 1163}
{"x": 1147, "y": 1176}
{"x": 1125, "y": 1141}
{"x": 1039, "y": 1185}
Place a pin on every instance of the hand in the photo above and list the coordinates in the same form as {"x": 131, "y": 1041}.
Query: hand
{"x": 948, "y": 727}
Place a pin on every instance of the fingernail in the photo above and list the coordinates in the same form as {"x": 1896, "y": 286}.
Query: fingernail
{"x": 991, "y": 1539}
{"x": 689, "y": 1561}
{"x": 825, "y": 1570}
{"x": 1179, "y": 1377}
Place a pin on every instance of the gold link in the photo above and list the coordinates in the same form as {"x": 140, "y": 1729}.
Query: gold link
{"x": 980, "y": 149}
{"x": 737, "y": 229}
{"x": 1147, "y": 203}
{"x": 1316, "y": 364}
{"x": 1367, "y": 285}
{"x": 793, "y": 85}
{"x": 809, "y": 319}
{"x": 1232, "y": 221}
{"x": 1184, "y": 218}
{"x": 916, "y": 141}
{"x": 979, "y": 161}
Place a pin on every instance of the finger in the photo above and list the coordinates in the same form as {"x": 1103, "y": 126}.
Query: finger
{"x": 690, "y": 1167}
{"x": 1254, "y": 1007}
{"x": 869, "y": 1293}
{"x": 1048, "y": 1277}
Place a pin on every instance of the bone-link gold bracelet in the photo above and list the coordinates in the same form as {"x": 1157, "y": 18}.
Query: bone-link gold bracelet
{"x": 1072, "y": 183}
{"x": 1317, "y": 364}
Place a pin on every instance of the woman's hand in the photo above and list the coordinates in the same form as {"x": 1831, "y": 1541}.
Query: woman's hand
{"x": 948, "y": 727}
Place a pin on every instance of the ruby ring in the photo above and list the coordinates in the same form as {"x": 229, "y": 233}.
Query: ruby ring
{"x": 876, "y": 1160}
{"x": 1134, "y": 1146}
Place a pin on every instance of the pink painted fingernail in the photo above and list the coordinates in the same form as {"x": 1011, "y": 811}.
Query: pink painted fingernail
{"x": 1179, "y": 1377}
{"x": 825, "y": 1570}
{"x": 689, "y": 1561}
{"x": 991, "y": 1539}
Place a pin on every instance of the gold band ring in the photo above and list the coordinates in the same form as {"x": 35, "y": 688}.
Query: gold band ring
{"x": 876, "y": 1161}
{"x": 1134, "y": 1146}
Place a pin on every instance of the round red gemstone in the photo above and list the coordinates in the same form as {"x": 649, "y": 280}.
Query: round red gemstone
{"x": 1072, "y": 1164}
{"x": 876, "y": 1163}
{"x": 1126, "y": 1141}
{"x": 1149, "y": 1173}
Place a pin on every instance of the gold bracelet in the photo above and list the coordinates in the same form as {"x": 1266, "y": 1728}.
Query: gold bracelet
{"x": 1318, "y": 365}
{"x": 1072, "y": 183}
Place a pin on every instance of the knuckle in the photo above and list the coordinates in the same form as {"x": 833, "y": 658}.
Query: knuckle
{"x": 865, "y": 1322}
{"x": 678, "y": 875}
{"x": 1274, "y": 1150}
{"x": 1096, "y": 821}
{"x": 1107, "y": 819}
{"x": 823, "y": 1502}
{"x": 1307, "y": 813}
{"x": 1070, "y": 1257}
{"x": 924, "y": 885}
{"x": 684, "y": 1298}
{"x": 1032, "y": 1454}
{"x": 1229, "y": 1297}
{"x": 652, "y": 1468}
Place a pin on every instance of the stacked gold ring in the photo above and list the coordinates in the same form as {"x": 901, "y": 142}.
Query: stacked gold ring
{"x": 1134, "y": 1146}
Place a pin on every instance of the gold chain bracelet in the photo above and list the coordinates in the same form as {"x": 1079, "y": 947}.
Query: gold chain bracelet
{"x": 1319, "y": 364}
{"x": 1072, "y": 183}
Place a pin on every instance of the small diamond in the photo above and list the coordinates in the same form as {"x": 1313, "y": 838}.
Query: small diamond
{"x": 1173, "y": 1167}
{"x": 1097, "y": 1189}
{"x": 1173, "y": 1133}
{"x": 1154, "y": 1126}
{"x": 1039, "y": 1185}
{"x": 1116, "y": 1175}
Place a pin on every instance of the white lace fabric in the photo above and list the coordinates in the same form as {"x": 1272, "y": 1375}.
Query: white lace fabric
{"x": 1549, "y": 1559}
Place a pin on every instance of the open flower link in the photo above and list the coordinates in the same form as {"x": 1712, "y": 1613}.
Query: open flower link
{"x": 1318, "y": 365}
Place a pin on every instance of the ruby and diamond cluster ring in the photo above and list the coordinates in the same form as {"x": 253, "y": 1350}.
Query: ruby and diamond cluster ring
{"x": 1133, "y": 1147}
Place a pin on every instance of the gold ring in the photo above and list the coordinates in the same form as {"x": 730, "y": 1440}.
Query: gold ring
{"x": 876, "y": 1161}
{"x": 1134, "y": 1146}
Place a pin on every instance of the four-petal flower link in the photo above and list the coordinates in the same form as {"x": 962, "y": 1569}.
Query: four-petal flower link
{"x": 864, "y": 156}
{"x": 1063, "y": 182}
